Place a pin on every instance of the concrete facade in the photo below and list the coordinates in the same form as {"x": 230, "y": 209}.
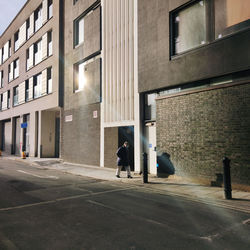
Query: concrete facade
{"x": 202, "y": 102}
{"x": 81, "y": 117}
{"x": 32, "y": 84}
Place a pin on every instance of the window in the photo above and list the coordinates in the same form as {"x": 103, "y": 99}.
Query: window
{"x": 10, "y": 71}
{"x": 79, "y": 31}
{"x": 38, "y": 51}
{"x": 28, "y": 29}
{"x": 2, "y": 55}
{"x": 15, "y": 95}
{"x": 1, "y": 101}
{"x": 16, "y": 68}
{"x": 1, "y": 78}
{"x": 50, "y": 9}
{"x": 49, "y": 43}
{"x": 37, "y": 90}
{"x": 26, "y": 90}
{"x": 231, "y": 16}
{"x": 189, "y": 27}
{"x": 16, "y": 41}
{"x": 9, "y": 48}
{"x": 8, "y": 100}
{"x": 49, "y": 80}
{"x": 75, "y": 1}
{"x": 27, "y": 59}
{"x": 79, "y": 77}
{"x": 38, "y": 18}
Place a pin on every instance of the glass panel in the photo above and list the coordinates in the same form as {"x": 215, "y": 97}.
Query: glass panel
{"x": 81, "y": 76}
{"x": 231, "y": 16}
{"x": 189, "y": 27}
{"x": 50, "y": 13}
{"x": 80, "y": 31}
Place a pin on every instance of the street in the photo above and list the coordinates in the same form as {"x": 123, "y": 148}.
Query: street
{"x": 48, "y": 209}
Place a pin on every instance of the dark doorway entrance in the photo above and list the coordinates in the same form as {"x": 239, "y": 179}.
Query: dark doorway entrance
{"x": 127, "y": 134}
{"x": 57, "y": 137}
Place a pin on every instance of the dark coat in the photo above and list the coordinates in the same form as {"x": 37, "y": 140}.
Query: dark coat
{"x": 123, "y": 156}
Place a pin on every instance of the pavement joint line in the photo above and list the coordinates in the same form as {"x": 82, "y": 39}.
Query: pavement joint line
{"x": 61, "y": 199}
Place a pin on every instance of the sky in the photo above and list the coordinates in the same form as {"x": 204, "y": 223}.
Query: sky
{"x": 8, "y": 11}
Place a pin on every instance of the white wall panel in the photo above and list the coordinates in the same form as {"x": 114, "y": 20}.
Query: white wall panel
{"x": 44, "y": 82}
{"x": 118, "y": 58}
{"x": 44, "y": 46}
{"x": 6, "y": 51}
{"x": 31, "y": 25}
{"x": 21, "y": 93}
{"x": 45, "y": 11}
{"x": 22, "y": 34}
{"x": 31, "y": 88}
{"x": 5, "y": 99}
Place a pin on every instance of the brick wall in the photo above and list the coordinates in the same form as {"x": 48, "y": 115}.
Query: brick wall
{"x": 199, "y": 129}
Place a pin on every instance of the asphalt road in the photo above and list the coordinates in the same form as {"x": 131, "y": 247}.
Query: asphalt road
{"x": 45, "y": 209}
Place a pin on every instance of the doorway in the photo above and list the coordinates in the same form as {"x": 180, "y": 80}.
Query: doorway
{"x": 127, "y": 134}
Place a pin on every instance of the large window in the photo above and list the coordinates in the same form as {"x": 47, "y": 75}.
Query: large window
{"x": 79, "y": 31}
{"x": 231, "y": 16}
{"x": 49, "y": 80}
{"x": 16, "y": 41}
{"x": 189, "y": 27}
{"x": 79, "y": 77}
{"x": 38, "y": 18}
{"x": 26, "y": 90}
{"x": 37, "y": 86}
{"x": 1, "y": 78}
{"x": 38, "y": 51}
{"x": 16, "y": 68}
{"x": 15, "y": 95}
{"x": 49, "y": 43}
{"x": 50, "y": 9}
{"x": 28, "y": 29}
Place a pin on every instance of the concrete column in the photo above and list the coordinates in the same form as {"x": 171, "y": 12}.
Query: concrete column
{"x": 12, "y": 120}
{"x": 39, "y": 150}
{"x": 21, "y": 132}
{"x": 32, "y": 135}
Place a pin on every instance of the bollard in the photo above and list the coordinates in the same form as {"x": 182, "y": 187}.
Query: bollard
{"x": 145, "y": 168}
{"x": 227, "y": 178}
{"x": 23, "y": 154}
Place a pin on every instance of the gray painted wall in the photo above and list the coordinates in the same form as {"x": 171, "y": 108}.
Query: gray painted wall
{"x": 156, "y": 70}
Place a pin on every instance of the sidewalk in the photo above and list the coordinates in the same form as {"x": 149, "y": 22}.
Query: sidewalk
{"x": 166, "y": 186}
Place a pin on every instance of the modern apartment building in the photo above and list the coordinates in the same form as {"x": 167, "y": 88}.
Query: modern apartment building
{"x": 30, "y": 80}
{"x": 101, "y": 99}
{"x": 194, "y": 77}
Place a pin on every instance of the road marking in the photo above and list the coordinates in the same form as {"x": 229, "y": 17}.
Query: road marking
{"x": 246, "y": 222}
{"x": 39, "y": 176}
{"x": 61, "y": 199}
